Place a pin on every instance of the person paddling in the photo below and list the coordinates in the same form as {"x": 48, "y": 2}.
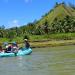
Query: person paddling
{"x": 14, "y": 48}
{"x": 8, "y": 48}
{"x": 27, "y": 45}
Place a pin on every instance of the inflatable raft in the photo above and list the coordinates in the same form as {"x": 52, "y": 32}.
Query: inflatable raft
{"x": 21, "y": 52}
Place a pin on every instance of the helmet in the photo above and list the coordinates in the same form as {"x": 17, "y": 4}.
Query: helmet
{"x": 5, "y": 43}
{"x": 14, "y": 43}
{"x": 25, "y": 40}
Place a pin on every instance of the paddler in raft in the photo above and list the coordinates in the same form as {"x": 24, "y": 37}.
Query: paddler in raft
{"x": 8, "y": 47}
{"x": 11, "y": 48}
{"x": 15, "y": 47}
{"x": 27, "y": 45}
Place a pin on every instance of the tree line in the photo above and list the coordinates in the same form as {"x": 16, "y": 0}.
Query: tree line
{"x": 58, "y": 26}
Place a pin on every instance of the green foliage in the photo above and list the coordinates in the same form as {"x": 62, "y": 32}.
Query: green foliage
{"x": 11, "y": 35}
{"x": 64, "y": 26}
{"x": 26, "y": 36}
{"x": 55, "y": 13}
{"x": 57, "y": 36}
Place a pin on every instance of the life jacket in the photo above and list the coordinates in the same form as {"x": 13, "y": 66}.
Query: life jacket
{"x": 8, "y": 49}
{"x": 27, "y": 45}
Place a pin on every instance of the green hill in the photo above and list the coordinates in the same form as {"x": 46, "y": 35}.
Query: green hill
{"x": 58, "y": 12}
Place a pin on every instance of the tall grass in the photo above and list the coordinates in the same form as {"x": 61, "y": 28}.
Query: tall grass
{"x": 58, "y": 36}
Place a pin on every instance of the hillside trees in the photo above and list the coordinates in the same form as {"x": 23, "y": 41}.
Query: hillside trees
{"x": 46, "y": 27}
{"x": 2, "y": 31}
{"x": 66, "y": 25}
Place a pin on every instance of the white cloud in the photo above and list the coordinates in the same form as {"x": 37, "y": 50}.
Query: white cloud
{"x": 27, "y": 1}
{"x": 13, "y": 23}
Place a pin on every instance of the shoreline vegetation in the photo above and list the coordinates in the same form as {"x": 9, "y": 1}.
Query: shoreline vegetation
{"x": 48, "y": 40}
{"x": 52, "y": 43}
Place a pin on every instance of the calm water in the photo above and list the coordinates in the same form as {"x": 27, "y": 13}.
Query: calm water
{"x": 43, "y": 61}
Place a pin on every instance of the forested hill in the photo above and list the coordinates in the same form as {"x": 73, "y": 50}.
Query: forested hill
{"x": 60, "y": 19}
{"x": 60, "y": 11}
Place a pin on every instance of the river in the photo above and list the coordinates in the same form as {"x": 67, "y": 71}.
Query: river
{"x": 42, "y": 61}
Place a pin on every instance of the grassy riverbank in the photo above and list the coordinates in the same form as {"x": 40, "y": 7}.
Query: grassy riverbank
{"x": 47, "y": 40}
{"x": 52, "y": 43}
{"x": 52, "y": 40}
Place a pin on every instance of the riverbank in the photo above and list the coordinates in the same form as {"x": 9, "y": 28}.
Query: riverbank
{"x": 53, "y": 43}
{"x": 47, "y": 40}
{"x": 49, "y": 43}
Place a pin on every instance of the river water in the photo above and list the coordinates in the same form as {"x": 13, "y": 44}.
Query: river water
{"x": 43, "y": 61}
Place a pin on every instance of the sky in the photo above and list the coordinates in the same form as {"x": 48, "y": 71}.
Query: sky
{"x": 21, "y": 12}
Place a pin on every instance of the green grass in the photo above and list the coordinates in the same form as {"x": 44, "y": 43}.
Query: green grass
{"x": 3, "y": 40}
{"x": 64, "y": 11}
{"x": 58, "y": 36}
{"x": 58, "y": 39}
{"x": 18, "y": 39}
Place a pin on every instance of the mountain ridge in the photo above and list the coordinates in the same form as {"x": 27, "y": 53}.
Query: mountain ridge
{"x": 59, "y": 12}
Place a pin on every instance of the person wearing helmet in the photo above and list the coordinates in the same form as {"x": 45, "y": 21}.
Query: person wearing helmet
{"x": 5, "y": 45}
{"x": 8, "y": 48}
{"x": 27, "y": 45}
{"x": 14, "y": 47}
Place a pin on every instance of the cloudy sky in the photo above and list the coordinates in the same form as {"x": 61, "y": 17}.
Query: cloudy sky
{"x": 20, "y": 12}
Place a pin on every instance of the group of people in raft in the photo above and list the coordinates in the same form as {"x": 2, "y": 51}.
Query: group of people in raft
{"x": 13, "y": 47}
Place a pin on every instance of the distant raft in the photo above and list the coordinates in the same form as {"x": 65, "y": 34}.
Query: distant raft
{"x": 21, "y": 52}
